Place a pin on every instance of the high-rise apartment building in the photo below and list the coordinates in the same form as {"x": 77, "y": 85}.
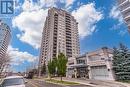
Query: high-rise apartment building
{"x": 5, "y": 36}
{"x": 124, "y": 6}
{"x": 60, "y": 35}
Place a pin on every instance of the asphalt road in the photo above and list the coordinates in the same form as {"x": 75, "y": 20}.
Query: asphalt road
{"x": 36, "y": 83}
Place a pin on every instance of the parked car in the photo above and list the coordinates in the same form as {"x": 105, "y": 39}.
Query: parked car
{"x": 13, "y": 81}
{"x": 30, "y": 75}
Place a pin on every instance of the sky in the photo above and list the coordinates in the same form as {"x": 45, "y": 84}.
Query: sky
{"x": 100, "y": 24}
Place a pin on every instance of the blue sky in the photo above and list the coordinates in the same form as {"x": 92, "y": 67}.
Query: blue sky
{"x": 100, "y": 24}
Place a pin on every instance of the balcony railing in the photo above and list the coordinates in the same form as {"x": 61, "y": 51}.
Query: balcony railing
{"x": 126, "y": 5}
{"x": 120, "y": 2}
{"x": 96, "y": 63}
{"x": 125, "y": 10}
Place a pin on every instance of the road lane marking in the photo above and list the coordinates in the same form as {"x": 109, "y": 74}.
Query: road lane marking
{"x": 33, "y": 84}
{"x": 38, "y": 83}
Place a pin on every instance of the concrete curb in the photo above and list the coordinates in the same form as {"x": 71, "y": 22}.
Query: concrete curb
{"x": 125, "y": 84}
{"x": 93, "y": 83}
{"x": 54, "y": 83}
{"x": 81, "y": 83}
{"x": 68, "y": 81}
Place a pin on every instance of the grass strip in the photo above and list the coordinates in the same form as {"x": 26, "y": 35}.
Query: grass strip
{"x": 61, "y": 82}
{"x": 125, "y": 81}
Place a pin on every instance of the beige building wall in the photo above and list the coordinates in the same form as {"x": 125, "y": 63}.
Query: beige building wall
{"x": 5, "y": 36}
{"x": 100, "y": 64}
{"x": 95, "y": 65}
{"x": 60, "y": 35}
{"x": 124, "y": 6}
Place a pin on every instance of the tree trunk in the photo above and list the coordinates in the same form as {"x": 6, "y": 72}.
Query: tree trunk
{"x": 61, "y": 78}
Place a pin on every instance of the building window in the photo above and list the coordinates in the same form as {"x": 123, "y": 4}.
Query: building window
{"x": 102, "y": 58}
{"x": 80, "y": 61}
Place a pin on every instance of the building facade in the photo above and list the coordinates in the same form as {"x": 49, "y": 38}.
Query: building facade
{"x": 60, "y": 35}
{"x": 5, "y": 36}
{"x": 77, "y": 67}
{"x": 93, "y": 65}
{"x": 124, "y": 6}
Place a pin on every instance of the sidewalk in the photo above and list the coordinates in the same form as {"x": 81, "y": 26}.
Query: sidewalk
{"x": 125, "y": 84}
{"x": 0, "y": 81}
{"x": 96, "y": 83}
{"x": 77, "y": 81}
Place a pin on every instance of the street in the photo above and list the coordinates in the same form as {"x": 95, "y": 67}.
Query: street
{"x": 36, "y": 83}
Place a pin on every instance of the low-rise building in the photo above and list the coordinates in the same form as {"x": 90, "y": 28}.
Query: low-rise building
{"x": 100, "y": 64}
{"x": 77, "y": 67}
{"x": 93, "y": 65}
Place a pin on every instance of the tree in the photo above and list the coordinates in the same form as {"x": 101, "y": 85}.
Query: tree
{"x": 4, "y": 62}
{"x": 121, "y": 62}
{"x": 61, "y": 65}
{"x": 51, "y": 68}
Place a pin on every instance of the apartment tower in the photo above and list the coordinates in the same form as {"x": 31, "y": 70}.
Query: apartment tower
{"x": 60, "y": 35}
{"x": 5, "y": 36}
{"x": 124, "y": 6}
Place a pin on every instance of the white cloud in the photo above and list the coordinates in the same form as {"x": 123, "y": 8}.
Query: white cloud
{"x": 30, "y": 21}
{"x": 123, "y": 32}
{"x": 48, "y": 3}
{"x": 28, "y": 5}
{"x": 69, "y": 2}
{"x": 51, "y": 3}
{"x": 87, "y": 17}
{"x": 79, "y": 3}
{"x": 31, "y": 26}
{"x": 18, "y": 57}
{"x": 116, "y": 14}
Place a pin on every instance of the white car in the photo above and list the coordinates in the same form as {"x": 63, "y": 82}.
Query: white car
{"x": 13, "y": 81}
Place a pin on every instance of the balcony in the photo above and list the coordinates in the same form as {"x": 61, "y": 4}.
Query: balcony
{"x": 68, "y": 40}
{"x": 68, "y": 43}
{"x": 125, "y": 10}
{"x": 96, "y": 63}
{"x": 124, "y": 3}
{"x": 68, "y": 24}
{"x": 69, "y": 55}
{"x": 128, "y": 22}
{"x": 68, "y": 34}
{"x": 68, "y": 21}
{"x": 127, "y": 14}
{"x": 78, "y": 65}
{"x": 69, "y": 51}
{"x": 121, "y": 2}
{"x": 69, "y": 46}
{"x": 55, "y": 38}
{"x": 68, "y": 28}
{"x": 127, "y": 18}
{"x": 67, "y": 16}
